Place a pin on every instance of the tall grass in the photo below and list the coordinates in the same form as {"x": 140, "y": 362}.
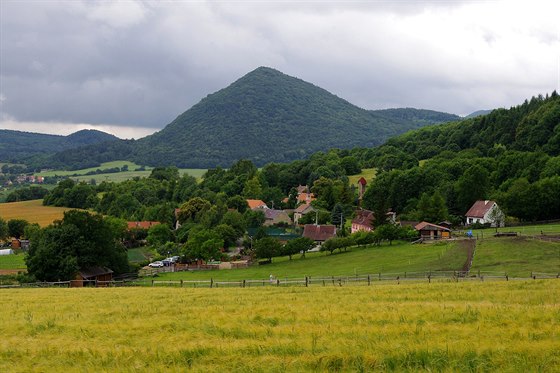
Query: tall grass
{"x": 499, "y": 326}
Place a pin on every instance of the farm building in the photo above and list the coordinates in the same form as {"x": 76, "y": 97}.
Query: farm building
{"x": 273, "y": 217}
{"x": 485, "y": 212}
{"x": 432, "y": 231}
{"x": 92, "y": 276}
{"x": 6, "y": 252}
{"x": 319, "y": 233}
{"x": 301, "y": 210}
{"x": 363, "y": 221}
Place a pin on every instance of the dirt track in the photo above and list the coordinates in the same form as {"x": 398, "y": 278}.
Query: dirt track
{"x": 11, "y": 271}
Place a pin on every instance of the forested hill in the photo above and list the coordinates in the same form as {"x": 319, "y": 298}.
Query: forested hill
{"x": 265, "y": 116}
{"x": 511, "y": 156}
{"x": 531, "y": 126}
{"x": 17, "y": 146}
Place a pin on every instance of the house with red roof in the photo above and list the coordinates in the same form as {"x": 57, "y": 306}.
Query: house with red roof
{"x": 141, "y": 224}
{"x": 319, "y": 233}
{"x": 256, "y": 204}
{"x": 485, "y": 212}
{"x": 363, "y": 221}
{"x": 302, "y": 210}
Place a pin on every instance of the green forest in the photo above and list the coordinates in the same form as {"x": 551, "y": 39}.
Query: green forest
{"x": 266, "y": 116}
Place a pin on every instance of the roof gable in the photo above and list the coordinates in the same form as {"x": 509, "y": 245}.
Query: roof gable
{"x": 480, "y": 208}
{"x": 319, "y": 232}
{"x": 256, "y": 203}
{"x": 425, "y": 226}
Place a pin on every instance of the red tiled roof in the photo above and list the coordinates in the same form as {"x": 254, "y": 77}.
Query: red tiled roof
{"x": 319, "y": 232}
{"x": 256, "y": 203}
{"x": 364, "y": 218}
{"x": 302, "y": 208}
{"x": 304, "y": 197}
{"x": 480, "y": 208}
{"x": 362, "y": 181}
{"x": 142, "y": 224}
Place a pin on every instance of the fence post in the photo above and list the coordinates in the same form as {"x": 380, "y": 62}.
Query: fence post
{"x": 243, "y": 283}
{"x": 277, "y": 282}
{"x": 368, "y": 280}
{"x": 181, "y": 282}
{"x": 152, "y": 282}
{"x": 405, "y": 275}
{"x": 507, "y": 277}
{"x": 306, "y": 281}
{"x": 211, "y": 283}
{"x": 379, "y": 276}
{"x": 430, "y": 278}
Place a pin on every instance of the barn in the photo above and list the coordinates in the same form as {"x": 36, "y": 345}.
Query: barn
{"x": 92, "y": 276}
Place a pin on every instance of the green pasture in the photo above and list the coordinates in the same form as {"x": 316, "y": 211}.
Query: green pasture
{"x": 367, "y": 173}
{"x": 396, "y": 258}
{"x": 527, "y": 230}
{"x": 14, "y": 261}
{"x": 116, "y": 177}
{"x": 517, "y": 256}
{"x": 139, "y": 254}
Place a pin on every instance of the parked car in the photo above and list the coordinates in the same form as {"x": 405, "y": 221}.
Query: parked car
{"x": 157, "y": 264}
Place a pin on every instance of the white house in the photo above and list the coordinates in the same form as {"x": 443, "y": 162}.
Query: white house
{"x": 484, "y": 212}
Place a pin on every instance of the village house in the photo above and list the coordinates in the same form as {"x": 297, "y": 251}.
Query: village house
{"x": 319, "y": 233}
{"x": 432, "y": 231}
{"x": 363, "y": 221}
{"x": 485, "y": 212}
{"x": 256, "y": 204}
{"x": 273, "y": 217}
{"x": 141, "y": 224}
{"x": 302, "y": 210}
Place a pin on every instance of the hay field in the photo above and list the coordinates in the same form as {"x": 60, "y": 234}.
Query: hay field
{"x": 32, "y": 211}
{"x": 445, "y": 326}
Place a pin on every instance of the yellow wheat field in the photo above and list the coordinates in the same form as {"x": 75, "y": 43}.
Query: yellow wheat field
{"x": 478, "y": 326}
{"x": 32, "y": 211}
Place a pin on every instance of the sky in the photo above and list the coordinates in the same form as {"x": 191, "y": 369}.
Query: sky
{"x": 130, "y": 67}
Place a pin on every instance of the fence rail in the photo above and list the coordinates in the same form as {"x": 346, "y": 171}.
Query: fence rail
{"x": 367, "y": 279}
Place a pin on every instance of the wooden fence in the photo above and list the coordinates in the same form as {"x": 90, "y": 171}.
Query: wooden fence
{"x": 307, "y": 281}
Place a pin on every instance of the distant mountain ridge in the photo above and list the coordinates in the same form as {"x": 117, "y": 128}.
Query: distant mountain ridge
{"x": 17, "y": 146}
{"x": 265, "y": 116}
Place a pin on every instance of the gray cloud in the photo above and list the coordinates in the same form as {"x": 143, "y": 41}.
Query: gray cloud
{"x": 141, "y": 63}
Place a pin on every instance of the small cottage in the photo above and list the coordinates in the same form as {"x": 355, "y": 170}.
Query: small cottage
{"x": 432, "y": 231}
{"x": 256, "y": 204}
{"x": 485, "y": 212}
{"x": 302, "y": 210}
{"x": 92, "y": 276}
{"x": 273, "y": 217}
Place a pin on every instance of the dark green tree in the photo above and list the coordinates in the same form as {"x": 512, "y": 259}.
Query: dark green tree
{"x": 16, "y": 227}
{"x": 80, "y": 240}
{"x": 298, "y": 245}
{"x": 267, "y": 248}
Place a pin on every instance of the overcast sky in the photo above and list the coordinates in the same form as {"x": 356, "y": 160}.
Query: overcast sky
{"x": 130, "y": 67}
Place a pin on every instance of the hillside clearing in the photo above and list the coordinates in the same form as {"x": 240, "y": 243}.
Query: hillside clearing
{"x": 116, "y": 176}
{"x": 367, "y": 173}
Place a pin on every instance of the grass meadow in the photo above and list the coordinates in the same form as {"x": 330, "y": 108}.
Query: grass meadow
{"x": 517, "y": 257}
{"x": 116, "y": 176}
{"x": 13, "y": 262}
{"x": 32, "y": 211}
{"x": 399, "y": 257}
{"x": 367, "y": 173}
{"x": 443, "y": 326}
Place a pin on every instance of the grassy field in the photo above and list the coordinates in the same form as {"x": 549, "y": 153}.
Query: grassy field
{"x": 461, "y": 327}
{"x": 32, "y": 211}
{"x": 516, "y": 256}
{"x": 367, "y": 173}
{"x": 116, "y": 176}
{"x": 400, "y": 257}
{"x": 528, "y": 230}
{"x": 139, "y": 254}
{"x": 12, "y": 261}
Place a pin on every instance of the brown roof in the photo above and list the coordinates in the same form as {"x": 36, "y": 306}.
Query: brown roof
{"x": 94, "y": 272}
{"x": 425, "y": 226}
{"x": 142, "y": 224}
{"x": 256, "y": 203}
{"x": 319, "y": 232}
{"x": 306, "y": 197}
{"x": 303, "y": 208}
{"x": 364, "y": 218}
{"x": 480, "y": 208}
